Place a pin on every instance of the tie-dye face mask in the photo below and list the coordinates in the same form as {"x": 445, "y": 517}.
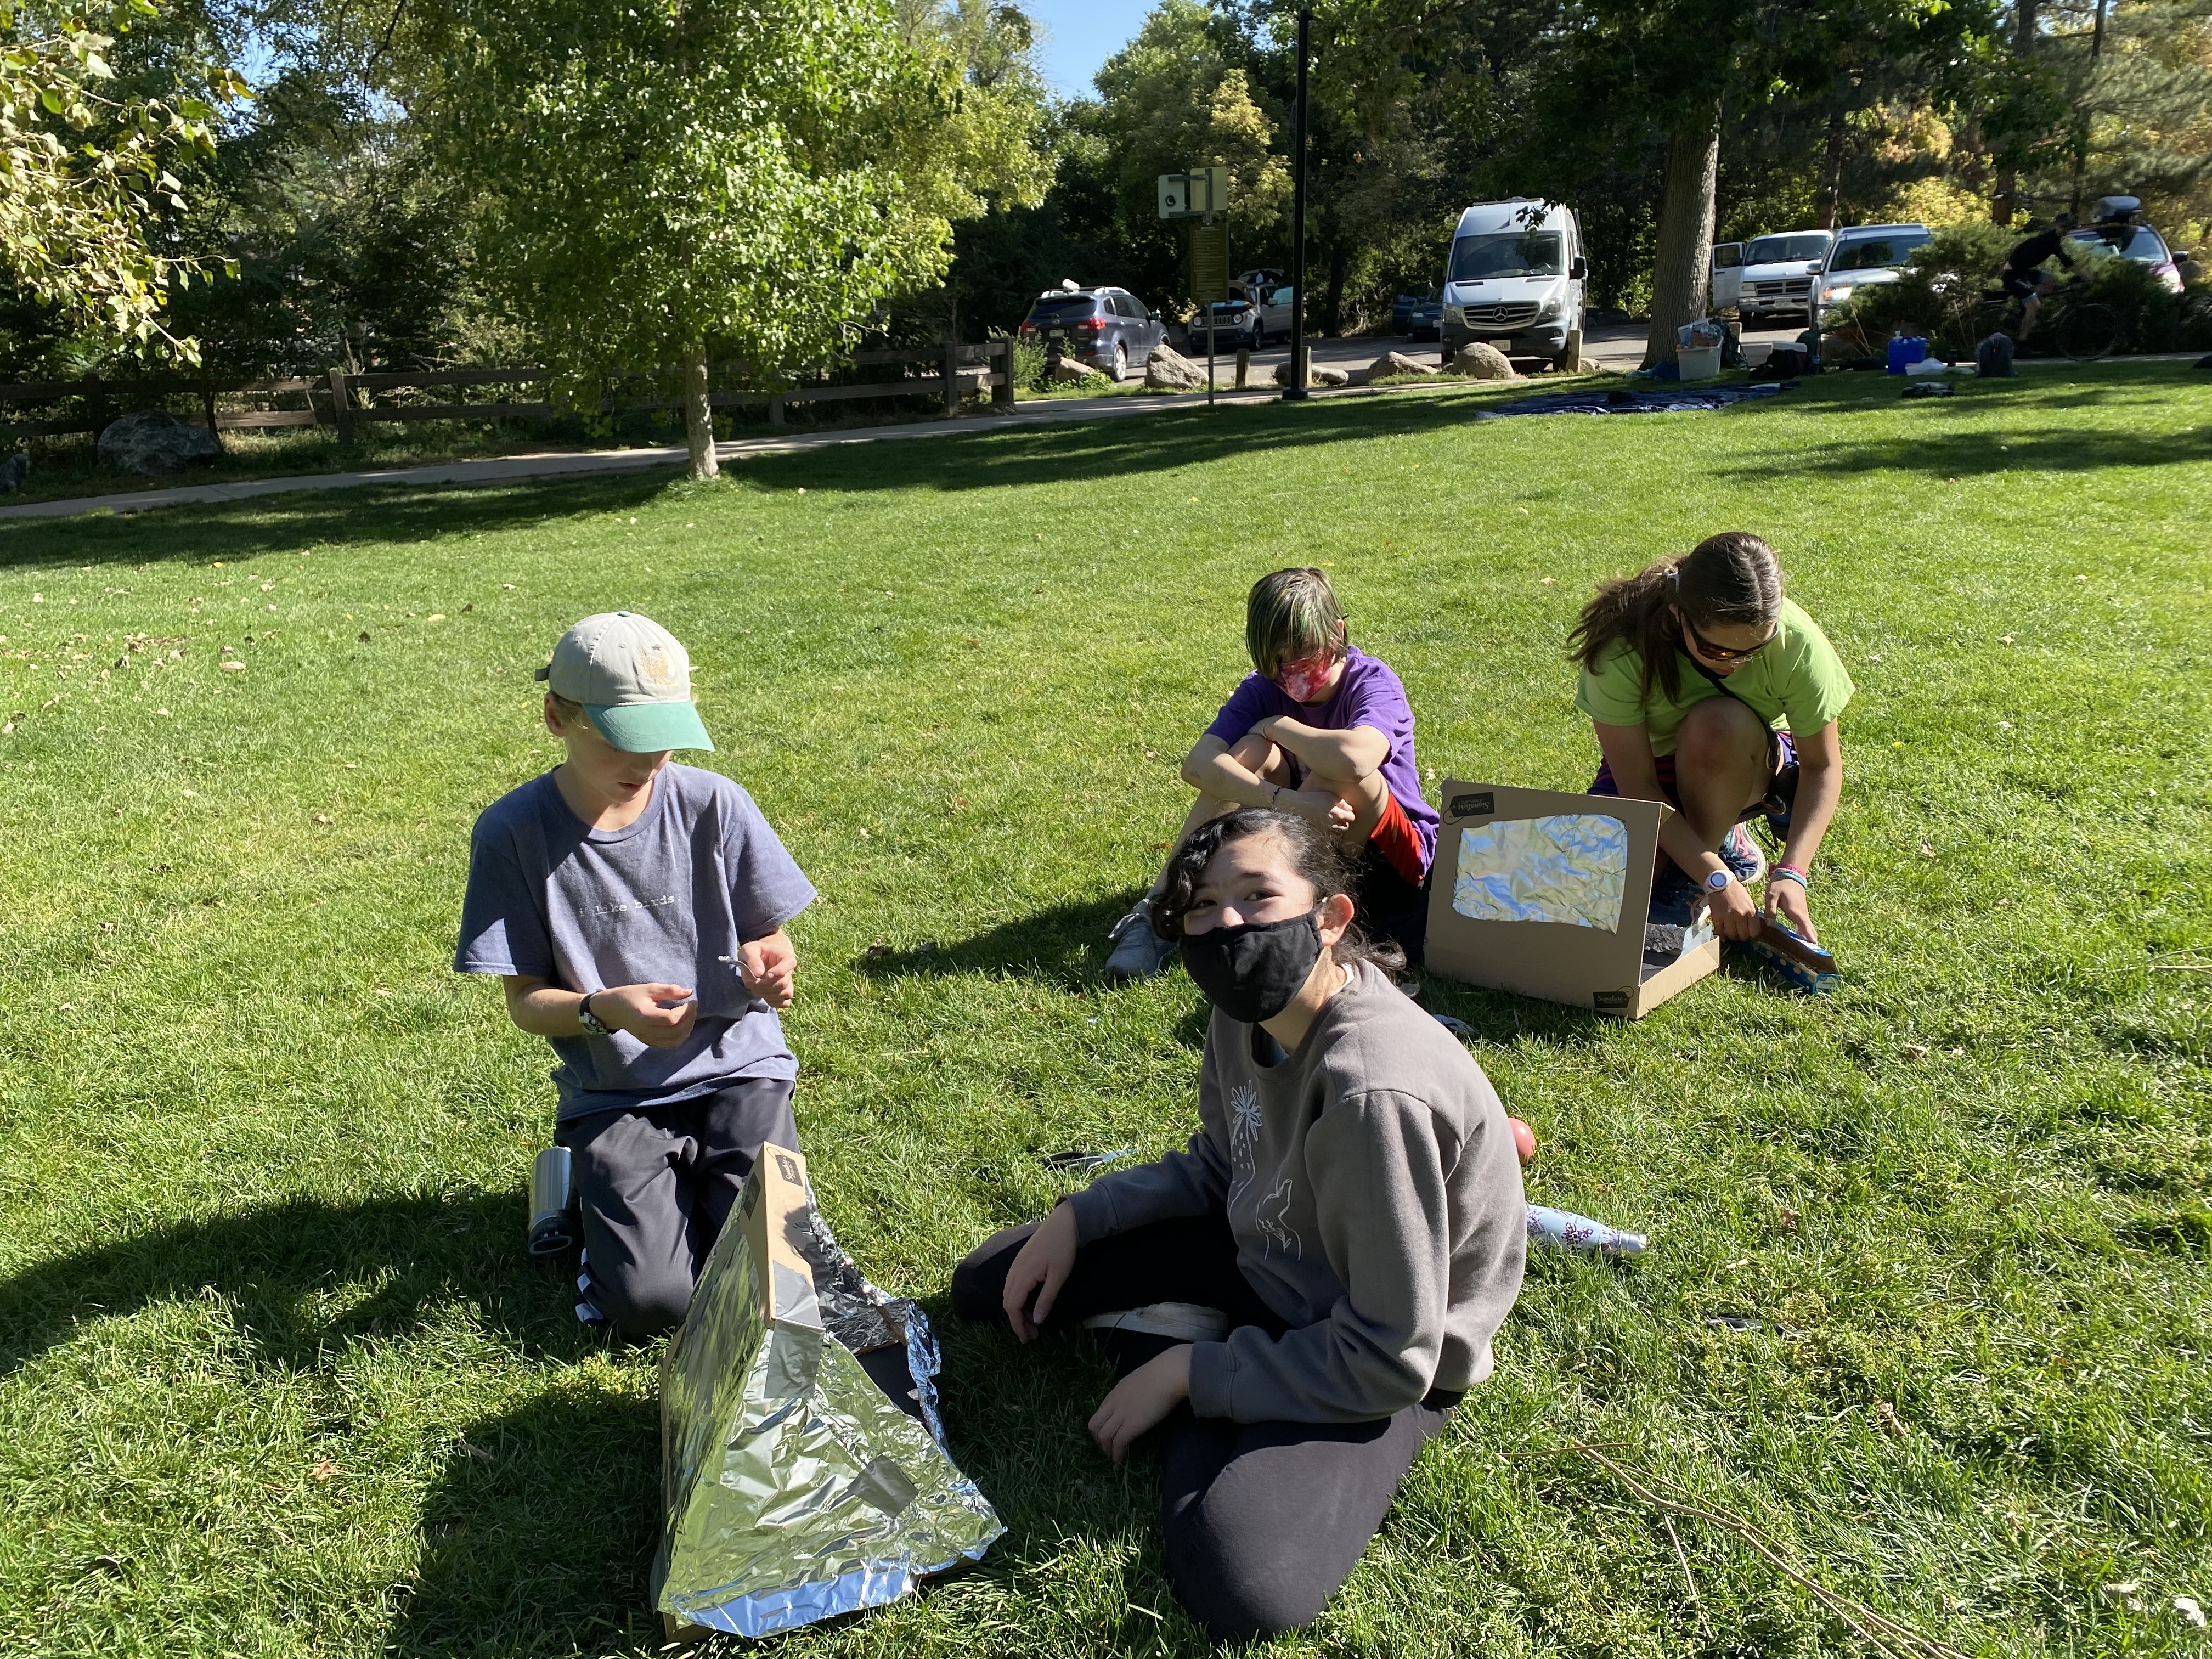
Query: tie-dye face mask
{"x": 1308, "y": 678}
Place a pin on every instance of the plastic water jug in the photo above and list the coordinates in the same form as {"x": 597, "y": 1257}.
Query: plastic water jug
{"x": 1905, "y": 349}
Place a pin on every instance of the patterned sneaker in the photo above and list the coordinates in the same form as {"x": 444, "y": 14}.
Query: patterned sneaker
{"x": 1742, "y": 856}
{"x": 1673, "y": 895}
{"x": 1138, "y": 952}
{"x": 586, "y": 1313}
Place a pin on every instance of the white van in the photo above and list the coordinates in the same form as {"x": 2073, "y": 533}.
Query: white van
{"x": 1515, "y": 278}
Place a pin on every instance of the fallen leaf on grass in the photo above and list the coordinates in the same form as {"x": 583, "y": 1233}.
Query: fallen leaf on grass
{"x": 476, "y": 1451}
{"x": 1926, "y": 851}
{"x": 322, "y": 818}
{"x": 324, "y": 1469}
{"x": 507, "y": 588}
{"x": 1888, "y": 1414}
{"x": 2187, "y": 1607}
{"x": 1918, "y": 1050}
{"x": 1546, "y": 582}
{"x": 2127, "y": 1592}
{"x": 233, "y": 666}
{"x": 435, "y": 616}
{"x": 364, "y": 636}
{"x": 163, "y": 713}
{"x": 192, "y": 795}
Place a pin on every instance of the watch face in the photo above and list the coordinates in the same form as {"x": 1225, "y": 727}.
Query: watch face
{"x": 1715, "y": 882}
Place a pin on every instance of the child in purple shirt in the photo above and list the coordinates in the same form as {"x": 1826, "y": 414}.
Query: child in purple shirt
{"x": 1321, "y": 731}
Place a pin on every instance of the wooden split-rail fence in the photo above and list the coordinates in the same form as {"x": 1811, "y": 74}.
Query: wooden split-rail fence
{"x": 348, "y": 402}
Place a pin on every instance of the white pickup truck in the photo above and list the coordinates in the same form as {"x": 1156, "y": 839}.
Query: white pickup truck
{"x": 1770, "y": 277}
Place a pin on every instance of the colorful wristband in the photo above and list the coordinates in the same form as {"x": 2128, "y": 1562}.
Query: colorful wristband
{"x": 1790, "y": 872}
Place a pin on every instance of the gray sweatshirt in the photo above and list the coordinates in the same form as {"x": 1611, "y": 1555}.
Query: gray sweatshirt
{"x": 1373, "y": 1189}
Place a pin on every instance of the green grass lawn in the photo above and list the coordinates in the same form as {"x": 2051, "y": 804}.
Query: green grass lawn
{"x": 276, "y": 1378}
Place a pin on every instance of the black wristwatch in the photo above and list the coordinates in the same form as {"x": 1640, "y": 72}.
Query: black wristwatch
{"x": 592, "y": 1024}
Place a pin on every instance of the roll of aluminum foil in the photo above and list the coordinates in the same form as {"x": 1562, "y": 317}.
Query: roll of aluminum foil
{"x": 1570, "y": 867}
{"x": 798, "y": 1489}
{"x": 1562, "y": 1229}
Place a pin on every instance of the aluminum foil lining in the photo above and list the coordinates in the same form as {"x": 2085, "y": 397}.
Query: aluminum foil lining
{"x": 1570, "y": 868}
{"x": 796, "y": 1489}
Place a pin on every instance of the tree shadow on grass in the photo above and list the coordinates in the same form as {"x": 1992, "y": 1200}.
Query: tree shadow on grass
{"x": 1958, "y": 454}
{"x": 1109, "y": 449}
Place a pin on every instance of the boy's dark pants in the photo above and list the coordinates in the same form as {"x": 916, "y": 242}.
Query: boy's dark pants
{"x": 656, "y": 1186}
{"x": 1263, "y": 1522}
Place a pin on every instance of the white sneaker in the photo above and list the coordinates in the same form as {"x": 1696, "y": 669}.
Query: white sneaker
{"x": 1138, "y": 952}
{"x": 1186, "y": 1321}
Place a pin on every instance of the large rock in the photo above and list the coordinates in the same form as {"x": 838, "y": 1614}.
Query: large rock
{"x": 1479, "y": 359}
{"x": 1169, "y": 370}
{"x": 151, "y": 441}
{"x": 1317, "y": 375}
{"x": 1072, "y": 372}
{"x": 1391, "y": 365}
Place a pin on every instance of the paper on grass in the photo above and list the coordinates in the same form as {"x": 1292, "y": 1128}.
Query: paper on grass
{"x": 1571, "y": 867}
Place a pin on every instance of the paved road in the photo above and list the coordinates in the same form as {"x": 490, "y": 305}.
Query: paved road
{"x": 1618, "y": 347}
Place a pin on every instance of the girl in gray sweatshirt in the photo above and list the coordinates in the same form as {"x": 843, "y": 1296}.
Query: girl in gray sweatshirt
{"x": 1300, "y": 1298}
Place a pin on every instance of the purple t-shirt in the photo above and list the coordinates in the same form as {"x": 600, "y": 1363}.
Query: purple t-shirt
{"x": 665, "y": 900}
{"x": 1368, "y": 693}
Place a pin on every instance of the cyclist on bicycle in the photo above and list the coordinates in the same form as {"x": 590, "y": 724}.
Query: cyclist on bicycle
{"x": 2025, "y": 280}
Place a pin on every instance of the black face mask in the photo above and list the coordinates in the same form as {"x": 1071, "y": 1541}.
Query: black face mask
{"x": 1251, "y": 972}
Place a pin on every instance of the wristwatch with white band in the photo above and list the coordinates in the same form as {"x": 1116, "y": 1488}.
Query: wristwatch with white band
{"x": 1718, "y": 879}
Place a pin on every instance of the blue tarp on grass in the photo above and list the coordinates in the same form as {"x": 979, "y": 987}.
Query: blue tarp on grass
{"x": 1623, "y": 401}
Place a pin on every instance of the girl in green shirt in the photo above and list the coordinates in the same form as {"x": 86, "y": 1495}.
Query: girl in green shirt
{"x": 1691, "y": 672}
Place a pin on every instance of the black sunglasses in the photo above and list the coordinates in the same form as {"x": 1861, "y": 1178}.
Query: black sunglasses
{"x": 1722, "y": 653}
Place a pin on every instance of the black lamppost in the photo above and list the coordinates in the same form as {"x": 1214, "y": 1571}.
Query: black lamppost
{"x": 1295, "y": 392}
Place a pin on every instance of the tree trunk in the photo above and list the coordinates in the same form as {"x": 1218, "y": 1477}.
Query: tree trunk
{"x": 1831, "y": 188}
{"x": 698, "y": 415}
{"x": 2004, "y": 200}
{"x": 1683, "y": 274}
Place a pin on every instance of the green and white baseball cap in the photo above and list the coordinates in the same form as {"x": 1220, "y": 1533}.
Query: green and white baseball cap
{"x": 633, "y": 679}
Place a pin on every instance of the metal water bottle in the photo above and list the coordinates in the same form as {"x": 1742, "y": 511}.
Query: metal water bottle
{"x": 553, "y": 1217}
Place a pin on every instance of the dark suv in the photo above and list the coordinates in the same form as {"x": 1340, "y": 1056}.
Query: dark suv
{"x": 1108, "y": 328}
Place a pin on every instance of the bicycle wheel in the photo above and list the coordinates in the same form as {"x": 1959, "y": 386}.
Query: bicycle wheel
{"x": 2088, "y": 332}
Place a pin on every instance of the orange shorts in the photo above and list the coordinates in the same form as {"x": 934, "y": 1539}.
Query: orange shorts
{"x": 1399, "y": 843}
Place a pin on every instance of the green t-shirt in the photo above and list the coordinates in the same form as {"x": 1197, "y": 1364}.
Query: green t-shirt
{"x": 1797, "y": 679}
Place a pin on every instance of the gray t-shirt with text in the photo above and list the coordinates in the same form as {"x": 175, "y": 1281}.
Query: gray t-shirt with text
{"x": 667, "y": 899}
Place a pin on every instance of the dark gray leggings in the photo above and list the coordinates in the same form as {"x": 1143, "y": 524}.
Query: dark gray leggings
{"x": 656, "y": 1186}
{"x": 1262, "y": 1521}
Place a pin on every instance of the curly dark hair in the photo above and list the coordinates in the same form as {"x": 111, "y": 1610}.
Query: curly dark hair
{"x": 1313, "y": 854}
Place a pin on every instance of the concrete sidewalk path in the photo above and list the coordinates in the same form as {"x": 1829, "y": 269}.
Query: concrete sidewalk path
{"x": 503, "y": 468}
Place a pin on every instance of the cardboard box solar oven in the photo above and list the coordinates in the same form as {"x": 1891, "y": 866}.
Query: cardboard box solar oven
{"x": 1548, "y": 894}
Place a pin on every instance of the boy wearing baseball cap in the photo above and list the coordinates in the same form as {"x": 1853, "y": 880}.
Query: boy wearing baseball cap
{"x": 635, "y": 909}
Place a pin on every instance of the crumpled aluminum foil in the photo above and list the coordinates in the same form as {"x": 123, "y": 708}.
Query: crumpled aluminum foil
{"x": 1570, "y": 868}
{"x": 796, "y": 1489}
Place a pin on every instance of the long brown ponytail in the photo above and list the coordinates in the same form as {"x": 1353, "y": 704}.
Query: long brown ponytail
{"x": 1729, "y": 578}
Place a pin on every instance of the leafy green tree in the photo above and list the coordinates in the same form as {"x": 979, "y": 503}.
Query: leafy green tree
{"x": 85, "y": 170}
{"x": 659, "y": 180}
{"x": 1180, "y": 95}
